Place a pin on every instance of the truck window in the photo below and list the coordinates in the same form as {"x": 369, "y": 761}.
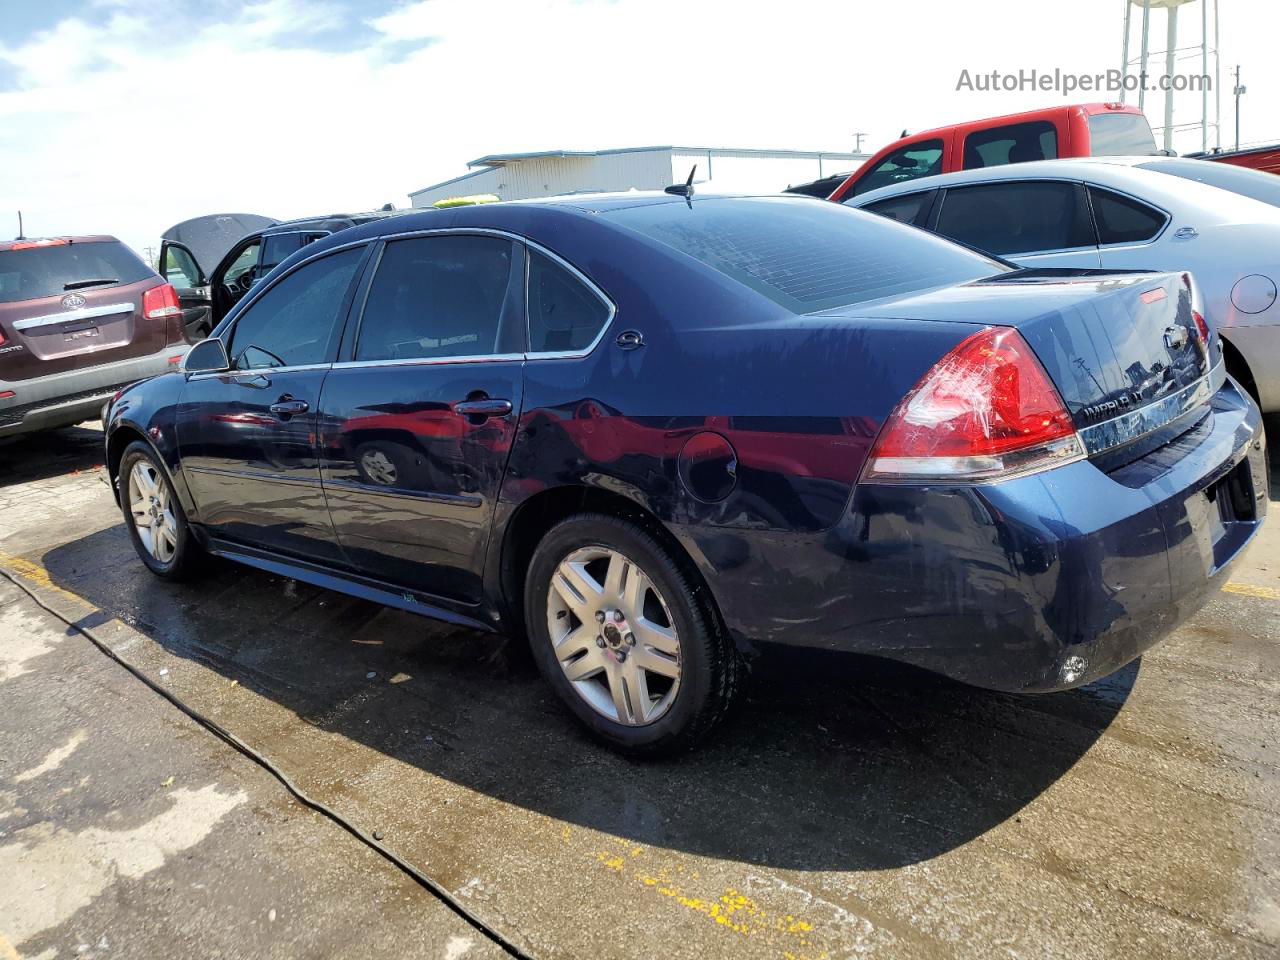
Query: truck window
{"x": 923, "y": 159}
{"x": 1120, "y": 135}
{"x": 1015, "y": 143}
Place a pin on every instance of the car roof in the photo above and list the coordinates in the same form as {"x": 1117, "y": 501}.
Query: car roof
{"x": 1119, "y": 173}
{"x": 33, "y": 243}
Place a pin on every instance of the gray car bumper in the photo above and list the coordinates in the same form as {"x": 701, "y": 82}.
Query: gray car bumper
{"x": 62, "y": 399}
{"x": 1259, "y": 344}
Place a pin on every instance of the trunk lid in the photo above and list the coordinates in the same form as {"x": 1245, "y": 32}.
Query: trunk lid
{"x": 1123, "y": 349}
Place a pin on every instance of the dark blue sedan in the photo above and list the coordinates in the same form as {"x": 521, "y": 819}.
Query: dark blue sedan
{"x": 651, "y": 432}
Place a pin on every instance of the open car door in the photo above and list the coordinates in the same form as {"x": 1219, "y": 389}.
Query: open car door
{"x": 191, "y": 251}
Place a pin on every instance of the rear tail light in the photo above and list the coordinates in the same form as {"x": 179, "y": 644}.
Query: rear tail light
{"x": 1197, "y": 308}
{"x": 160, "y": 302}
{"x": 986, "y": 411}
{"x": 2, "y": 341}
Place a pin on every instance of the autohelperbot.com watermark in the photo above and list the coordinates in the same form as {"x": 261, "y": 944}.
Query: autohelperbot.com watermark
{"x": 1067, "y": 83}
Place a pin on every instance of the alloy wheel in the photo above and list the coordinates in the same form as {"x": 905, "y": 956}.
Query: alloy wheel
{"x": 613, "y": 636}
{"x": 152, "y": 511}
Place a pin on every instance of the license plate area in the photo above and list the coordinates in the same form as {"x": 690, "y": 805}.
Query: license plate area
{"x": 84, "y": 333}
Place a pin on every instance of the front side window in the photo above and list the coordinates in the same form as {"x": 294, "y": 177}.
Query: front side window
{"x": 564, "y": 316}
{"x": 436, "y": 297}
{"x": 245, "y": 261}
{"x": 297, "y": 321}
{"x": 1017, "y": 217}
{"x": 1015, "y": 143}
{"x": 1122, "y": 219}
{"x": 903, "y": 209}
{"x": 922, "y": 159}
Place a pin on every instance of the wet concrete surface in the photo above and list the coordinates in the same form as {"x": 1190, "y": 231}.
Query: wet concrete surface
{"x": 851, "y": 807}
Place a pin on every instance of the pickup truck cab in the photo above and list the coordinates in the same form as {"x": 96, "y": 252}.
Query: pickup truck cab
{"x": 1080, "y": 130}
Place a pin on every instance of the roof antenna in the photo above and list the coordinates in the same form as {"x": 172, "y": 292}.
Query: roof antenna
{"x": 683, "y": 189}
{"x": 19, "y": 236}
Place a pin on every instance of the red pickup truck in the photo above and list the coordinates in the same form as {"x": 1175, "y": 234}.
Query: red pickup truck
{"x": 1079, "y": 130}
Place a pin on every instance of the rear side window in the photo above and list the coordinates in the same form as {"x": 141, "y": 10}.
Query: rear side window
{"x": 179, "y": 268}
{"x": 922, "y": 159}
{"x": 1017, "y": 217}
{"x": 1016, "y": 143}
{"x": 903, "y": 209}
{"x": 296, "y": 322}
{"x": 564, "y": 315}
{"x": 1120, "y": 135}
{"x": 436, "y": 297}
{"x": 49, "y": 271}
{"x": 806, "y": 256}
{"x": 1122, "y": 219}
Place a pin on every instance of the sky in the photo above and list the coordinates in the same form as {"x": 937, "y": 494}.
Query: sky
{"x": 126, "y": 116}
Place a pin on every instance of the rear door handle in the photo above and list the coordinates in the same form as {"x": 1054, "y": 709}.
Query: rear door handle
{"x": 483, "y": 408}
{"x": 286, "y": 406}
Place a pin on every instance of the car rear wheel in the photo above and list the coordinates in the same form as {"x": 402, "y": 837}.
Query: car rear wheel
{"x": 620, "y": 632}
{"x": 157, "y": 525}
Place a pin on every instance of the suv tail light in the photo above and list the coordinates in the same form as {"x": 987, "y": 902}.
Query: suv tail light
{"x": 160, "y": 302}
{"x": 986, "y": 411}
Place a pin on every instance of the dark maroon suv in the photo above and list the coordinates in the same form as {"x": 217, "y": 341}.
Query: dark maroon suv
{"x": 80, "y": 317}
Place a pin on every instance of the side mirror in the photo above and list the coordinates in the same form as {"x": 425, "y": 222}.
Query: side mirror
{"x": 207, "y": 356}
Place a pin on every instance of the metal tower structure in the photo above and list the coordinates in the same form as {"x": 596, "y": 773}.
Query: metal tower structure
{"x": 1173, "y": 54}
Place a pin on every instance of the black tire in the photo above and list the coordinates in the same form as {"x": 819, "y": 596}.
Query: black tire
{"x": 188, "y": 556}
{"x": 710, "y": 666}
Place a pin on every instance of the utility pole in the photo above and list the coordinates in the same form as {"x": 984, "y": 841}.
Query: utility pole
{"x": 1239, "y": 90}
{"x": 857, "y": 145}
{"x": 150, "y": 254}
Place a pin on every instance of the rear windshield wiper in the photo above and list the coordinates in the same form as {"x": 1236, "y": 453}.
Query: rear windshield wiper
{"x": 77, "y": 284}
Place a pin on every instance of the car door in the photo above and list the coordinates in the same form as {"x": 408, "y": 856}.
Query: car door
{"x": 234, "y": 276}
{"x": 247, "y": 435}
{"x": 419, "y": 417}
{"x": 178, "y": 266}
{"x": 1035, "y": 223}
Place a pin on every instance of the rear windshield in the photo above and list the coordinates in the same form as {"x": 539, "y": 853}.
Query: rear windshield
{"x": 46, "y": 271}
{"x": 807, "y": 255}
{"x": 1120, "y": 135}
{"x": 1248, "y": 183}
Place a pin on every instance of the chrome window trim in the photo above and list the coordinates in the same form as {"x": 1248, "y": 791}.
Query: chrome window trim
{"x": 84, "y": 313}
{"x": 427, "y": 361}
{"x": 1136, "y": 424}
{"x": 256, "y": 371}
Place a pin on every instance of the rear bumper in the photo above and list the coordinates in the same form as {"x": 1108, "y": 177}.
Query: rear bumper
{"x": 43, "y": 403}
{"x": 1035, "y": 584}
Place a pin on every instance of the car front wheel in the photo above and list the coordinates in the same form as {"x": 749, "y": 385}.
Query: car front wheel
{"x": 155, "y": 519}
{"x": 620, "y": 632}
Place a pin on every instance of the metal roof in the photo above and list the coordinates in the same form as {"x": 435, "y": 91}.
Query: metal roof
{"x": 493, "y": 161}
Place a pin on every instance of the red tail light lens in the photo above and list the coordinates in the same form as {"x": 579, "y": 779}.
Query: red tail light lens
{"x": 160, "y": 302}
{"x": 987, "y": 410}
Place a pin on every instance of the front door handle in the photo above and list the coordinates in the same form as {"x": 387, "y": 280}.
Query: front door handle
{"x": 487, "y": 407}
{"x": 286, "y": 406}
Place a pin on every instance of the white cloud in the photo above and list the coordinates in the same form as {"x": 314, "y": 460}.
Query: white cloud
{"x": 134, "y": 115}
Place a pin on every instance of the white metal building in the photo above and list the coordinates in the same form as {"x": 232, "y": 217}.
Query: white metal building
{"x": 518, "y": 176}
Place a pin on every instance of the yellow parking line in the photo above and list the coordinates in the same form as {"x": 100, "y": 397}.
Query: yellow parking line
{"x": 7, "y": 951}
{"x": 35, "y": 574}
{"x": 1249, "y": 590}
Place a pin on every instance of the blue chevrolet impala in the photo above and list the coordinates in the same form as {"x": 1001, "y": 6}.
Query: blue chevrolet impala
{"x": 651, "y": 432}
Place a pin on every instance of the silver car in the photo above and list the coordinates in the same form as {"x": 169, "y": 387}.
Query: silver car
{"x": 1153, "y": 213}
